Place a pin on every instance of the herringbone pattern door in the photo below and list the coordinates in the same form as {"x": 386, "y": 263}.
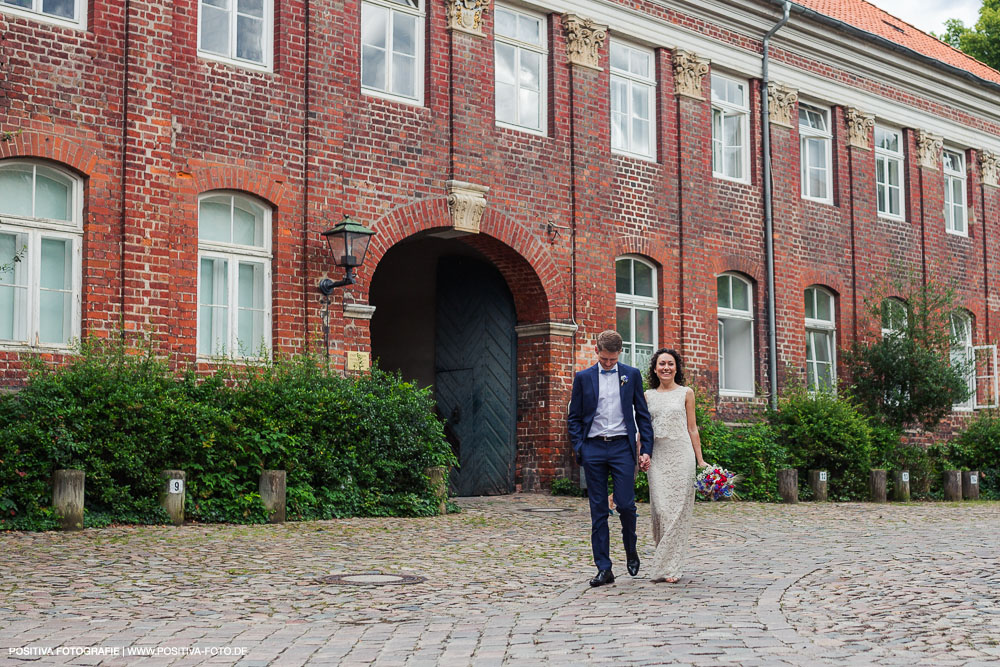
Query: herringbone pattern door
{"x": 475, "y": 373}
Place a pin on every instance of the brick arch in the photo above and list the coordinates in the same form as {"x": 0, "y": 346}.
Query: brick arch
{"x": 736, "y": 263}
{"x": 827, "y": 279}
{"x": 50, "y": 147}
{"x": 264, "y": 185}
{"x": 653, "y": 249}
{"x": 525, "y": 264}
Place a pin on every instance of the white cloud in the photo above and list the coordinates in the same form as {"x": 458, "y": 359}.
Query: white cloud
{"x": 930, "y": 15}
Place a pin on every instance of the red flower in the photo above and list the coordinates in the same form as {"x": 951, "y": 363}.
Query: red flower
{"x": 21, "y": 473}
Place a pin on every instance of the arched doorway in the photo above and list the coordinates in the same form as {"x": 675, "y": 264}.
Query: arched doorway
{"x": 444, "y": 317}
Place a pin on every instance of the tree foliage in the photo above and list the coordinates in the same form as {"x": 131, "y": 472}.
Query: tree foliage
{"x": 981, "y": 41}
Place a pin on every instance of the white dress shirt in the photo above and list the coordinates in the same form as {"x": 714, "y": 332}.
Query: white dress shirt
{"x": 609, "y": 419}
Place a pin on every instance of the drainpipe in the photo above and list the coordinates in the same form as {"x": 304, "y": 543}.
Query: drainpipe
{"x": 772, "y": 339}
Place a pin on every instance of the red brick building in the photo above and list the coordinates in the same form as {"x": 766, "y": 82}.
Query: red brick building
{"x": 535, "y": 171}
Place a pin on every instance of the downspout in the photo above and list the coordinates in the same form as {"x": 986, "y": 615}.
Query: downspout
{"x": 127, "y": 27}
{"x": 305, "y": 184}
{"x": 772, "y": 339}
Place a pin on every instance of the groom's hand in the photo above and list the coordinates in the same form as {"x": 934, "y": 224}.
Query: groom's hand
{"x": 644, "y": 462}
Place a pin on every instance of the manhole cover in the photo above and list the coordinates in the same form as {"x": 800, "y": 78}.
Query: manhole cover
{"x": 548, "y": 510}
{"x": 370, "y": 579}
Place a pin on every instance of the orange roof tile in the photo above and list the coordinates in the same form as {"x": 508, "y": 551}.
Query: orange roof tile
{"x": 870, "y": 18}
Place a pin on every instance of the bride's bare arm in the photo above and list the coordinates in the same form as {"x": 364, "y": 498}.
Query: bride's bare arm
{"x": 693, "y": 427}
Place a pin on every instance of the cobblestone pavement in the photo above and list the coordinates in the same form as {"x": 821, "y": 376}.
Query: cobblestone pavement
{"x": 809, "y": 584}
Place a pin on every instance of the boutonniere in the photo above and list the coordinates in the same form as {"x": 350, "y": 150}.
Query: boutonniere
{"x": 623, "y": 380}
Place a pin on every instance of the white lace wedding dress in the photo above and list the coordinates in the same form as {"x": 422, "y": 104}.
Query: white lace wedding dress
{"x": 671, "y": 481}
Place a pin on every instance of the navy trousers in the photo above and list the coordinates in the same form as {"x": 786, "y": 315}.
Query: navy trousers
{"x": 599, "y": 458}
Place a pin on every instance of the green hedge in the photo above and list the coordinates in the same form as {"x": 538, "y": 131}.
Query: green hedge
{"x": 350, "y": 446}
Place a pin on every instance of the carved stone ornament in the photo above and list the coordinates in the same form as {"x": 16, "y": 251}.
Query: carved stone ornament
{"x": 466, "y": 15}
{"x": 689, "y": 72}
{"x": 859, "y": 127}
{"x": 466, "y": 202}
{"x": 584, "y": 39}
{"x": 545, "y": 329}
{"x": 781, "y": 101}
{"x": 929, "y": 150}
{"x": 989, "y": 164}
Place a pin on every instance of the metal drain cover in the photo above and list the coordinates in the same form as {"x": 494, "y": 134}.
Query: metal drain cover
{"x": 370, "y": 579}
{"x": 545, "y": 510}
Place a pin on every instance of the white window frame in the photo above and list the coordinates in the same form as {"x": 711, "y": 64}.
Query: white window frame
{"x": 79, "y": 22}
{"x": 35, "y": 229}
{"x": 633, "y": 81}
{"x": 725, "y": 314}
{"x": 729, "y": 109}
{"x": 807, "y": 133}
{"x": 989, "y": 379}
{"x": 636, "y": 303}
{"x": 951, "y": 177}
{"x": 906, "y": 317}
{"x": 816, "y": 327}
{"x": 543, "y": 84}
{"x": 889, "y": 156}
{"x": 964, "y": 352}
{"x": 234, "y": 254}
{"x": 396, "y": 8}
{"x": 267, "y": 48}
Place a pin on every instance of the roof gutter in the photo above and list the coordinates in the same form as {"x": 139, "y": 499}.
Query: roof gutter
{"x": 854, "y": 31}
{"x": 772, "y": 340}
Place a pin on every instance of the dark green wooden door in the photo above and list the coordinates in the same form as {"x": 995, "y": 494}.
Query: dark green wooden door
{"x": 475, "y": 373}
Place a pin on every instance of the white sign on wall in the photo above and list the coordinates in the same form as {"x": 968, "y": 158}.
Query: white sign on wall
{"x": 973, "y": 479}
{"x": 176, "y": 486}
{"x": 905, "y": 477}
{"x": 822, "y": 476}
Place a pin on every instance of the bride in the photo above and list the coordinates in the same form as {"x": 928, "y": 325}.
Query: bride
{"x": 676, "y": 450}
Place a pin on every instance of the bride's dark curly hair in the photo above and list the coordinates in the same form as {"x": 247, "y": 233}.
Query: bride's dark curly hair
{"x": 654, "y": 381}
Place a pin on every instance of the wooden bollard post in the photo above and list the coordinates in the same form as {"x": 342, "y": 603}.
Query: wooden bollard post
{"x": 952, "y": 485}
{"x": 67, "y": 498}
{"x": 876, "y": 485}
{"x": 818, "y": 484}
{"x": 272, "y": 494}
{"x": 172, "y": 495}
{"x": 901, "y": 486}
{"x": 970, "y": 485}
{"x": 788, "y": 485}
{"x": 438, "y": 476}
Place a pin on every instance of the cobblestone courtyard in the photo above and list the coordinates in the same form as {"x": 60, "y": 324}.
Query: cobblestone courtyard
{"x": 808, "y": 584}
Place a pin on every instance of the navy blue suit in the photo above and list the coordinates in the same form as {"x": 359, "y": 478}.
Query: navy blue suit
{"x": 599, "y": 457}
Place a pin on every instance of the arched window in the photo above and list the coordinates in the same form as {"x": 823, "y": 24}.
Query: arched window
{"x": 963, "y": 354}
{"x": 894, "y": 316}
{"x": 234, "y": 276}
{"x": 41, "y": 234}
{"x": 821, "y": 340}
{"x": 636, "y": 308}
{"x": 735, "y": 311}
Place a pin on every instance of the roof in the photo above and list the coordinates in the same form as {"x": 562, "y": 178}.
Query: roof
{"x": 868, "y": 17}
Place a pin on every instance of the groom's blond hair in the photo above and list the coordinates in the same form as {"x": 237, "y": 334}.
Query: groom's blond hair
{"x": 609, "y": 341}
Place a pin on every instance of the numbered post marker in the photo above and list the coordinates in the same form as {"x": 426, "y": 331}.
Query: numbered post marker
{"x": 973, "y": 479}
{"x": 176, "y": 486}
{"x": 822, "y": 476}
{"x": 906, "y": 477}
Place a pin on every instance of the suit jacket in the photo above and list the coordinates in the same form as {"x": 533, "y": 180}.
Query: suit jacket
{"x": 583, "y": 407}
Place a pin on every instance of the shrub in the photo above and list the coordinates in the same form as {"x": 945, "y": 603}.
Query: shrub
{"x": 978, "y": 448}
{"x": 824, "y": 432}
{"x": 349, "y": 446}
{"x": 891, "y": 453}
{"x": 562, "y": 486}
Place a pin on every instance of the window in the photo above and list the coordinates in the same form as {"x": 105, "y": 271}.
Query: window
{"x": 234, "y": 276}
{"x": 632, "y": 95}
{"x": 815, "y": 145}
{"x": 71, "y": 13}
{"x": 635, "y": 309}
{"x": 821, "y": 340}
{"x": 735, "y": 336}
{"x": 955, "y": 211}
{"x": 41, "y": 233}
{"x": 730, "y": 128}
{"x": 392, "y": 49}
{"x": 520, "y": 61}
{"x": 963, "y": 355}
{"x": 236, "y": 30}
{"x": 889, "y": 172}
{"x": 894, "y": 317}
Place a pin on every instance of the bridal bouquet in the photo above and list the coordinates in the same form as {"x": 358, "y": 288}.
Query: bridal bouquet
{"x": 715, "y": 483}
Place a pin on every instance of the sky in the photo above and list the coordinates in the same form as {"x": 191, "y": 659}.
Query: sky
{"x": 930, "y": 15}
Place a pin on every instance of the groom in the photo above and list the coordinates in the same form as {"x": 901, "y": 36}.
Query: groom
{"x": 607, "y": 405}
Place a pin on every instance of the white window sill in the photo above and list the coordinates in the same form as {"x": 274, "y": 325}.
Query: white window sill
{"x": 723, "y": 177}
{"x": 45, "y": 18}
{"x": 635, "y": 156}
{"x": 828, "y": 201}
{"x": 723, "y": 393}
{"x": 15, "y": 346}
{"x": 961, "y": 235}
{"x": 523, "y": 128}
{"x": 382, "y": 95}
{"x": 242, "y": 64}
{"x": 891, "y": 218}
{"x": 240, "y": 361}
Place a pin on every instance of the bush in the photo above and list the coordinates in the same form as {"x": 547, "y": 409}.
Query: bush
{"x": 349, "y": 446}
{"x": 561, "y": 486}
{"x": 823, "y": 432}
{"x": 978, "y": 448}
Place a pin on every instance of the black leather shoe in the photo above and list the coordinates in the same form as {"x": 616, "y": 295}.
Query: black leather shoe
{"x": 603, "y": 577}
{"x": 633, "y": 563}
